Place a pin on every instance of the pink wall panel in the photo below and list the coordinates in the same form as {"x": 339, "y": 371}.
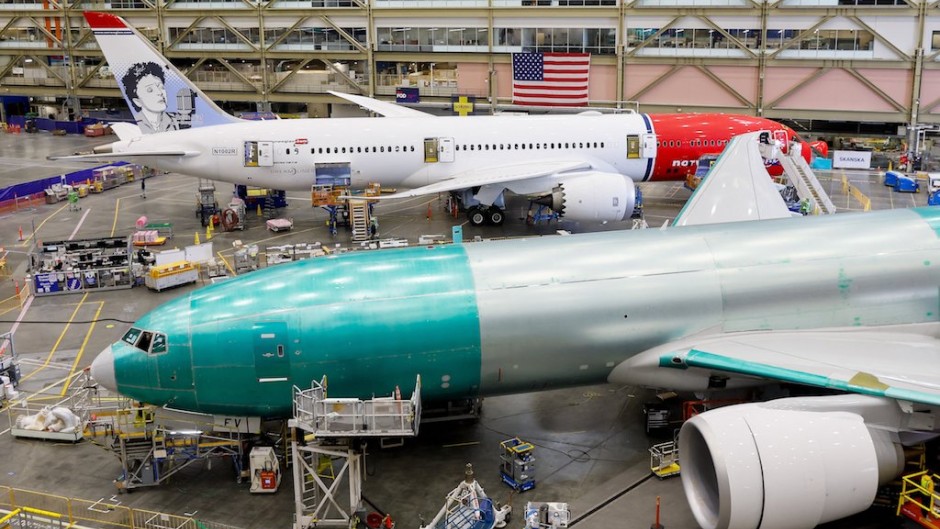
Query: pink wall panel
{"x": 637, "y": 76}
{"x": 779, "y": 80}
{"x": 743, "y": 79}
{"x": 603, "y": 85}
{"x": 472, "y": 78}
{"x": 896, "y": 83}
{"x": 687, "y": 86}
{"x": 930, "y": 91}
{"x": 835, "y": 90}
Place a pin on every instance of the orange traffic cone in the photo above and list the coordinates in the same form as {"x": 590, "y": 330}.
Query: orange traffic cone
{"x": 429, "y": 211}
{"x": 21, "y": 234}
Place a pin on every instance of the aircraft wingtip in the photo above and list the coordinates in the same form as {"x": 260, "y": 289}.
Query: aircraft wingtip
{"x": 98, "y": 20}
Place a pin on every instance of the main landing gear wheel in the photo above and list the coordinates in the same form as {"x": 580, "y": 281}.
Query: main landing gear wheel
{"x": 477, "y": 215}
{"x": 495, "y": 216}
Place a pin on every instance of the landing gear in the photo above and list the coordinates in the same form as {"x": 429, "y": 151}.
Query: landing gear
{"x": 479, "y": 215}
{"x": 495, "y": 216}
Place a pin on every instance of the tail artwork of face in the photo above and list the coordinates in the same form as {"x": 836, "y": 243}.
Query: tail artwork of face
{"x": 160, "y": 97}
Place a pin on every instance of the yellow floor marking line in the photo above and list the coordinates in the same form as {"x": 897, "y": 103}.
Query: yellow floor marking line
{"x": 117, "y": 209}
{"x": 59, "y": 340}
{"x": 81, "y": 350}
{"x": 458, "y": 445}
{"x": 41, "y": 224}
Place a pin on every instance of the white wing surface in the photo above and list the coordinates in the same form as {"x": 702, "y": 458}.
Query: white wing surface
{"x": 737, "y": 188}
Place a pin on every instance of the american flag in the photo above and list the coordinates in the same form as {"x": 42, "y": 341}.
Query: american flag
{"x": 550, "y": 79}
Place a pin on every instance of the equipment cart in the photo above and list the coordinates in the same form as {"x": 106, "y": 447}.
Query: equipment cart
{"x": 517, "y": 464}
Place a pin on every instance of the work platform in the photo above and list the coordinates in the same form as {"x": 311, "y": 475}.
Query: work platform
{"x": 331, "y": 432}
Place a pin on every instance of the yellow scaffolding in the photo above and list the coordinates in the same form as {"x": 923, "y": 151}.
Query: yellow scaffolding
{"x": 919, "y": 500}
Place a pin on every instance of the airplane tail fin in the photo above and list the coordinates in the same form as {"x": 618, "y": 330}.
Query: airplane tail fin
{"x": 160, "y": 96}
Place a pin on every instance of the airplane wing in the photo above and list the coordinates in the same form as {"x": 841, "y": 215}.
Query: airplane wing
{"x": 883, "y": 364}
{"x": 121, "y": 155}
{"x": 736, "y": 188}
{"x": 390, "y": 110}
{"x": 503, "y": 174}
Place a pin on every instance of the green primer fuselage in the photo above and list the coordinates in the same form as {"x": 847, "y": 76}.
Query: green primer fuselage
{"x": 522, "y": 315}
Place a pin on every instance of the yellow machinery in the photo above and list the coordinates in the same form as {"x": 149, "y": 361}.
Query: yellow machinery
{"x": 920, "y": 501}
{"x": 664, "y": 459}
{"x": 170, "y": 275}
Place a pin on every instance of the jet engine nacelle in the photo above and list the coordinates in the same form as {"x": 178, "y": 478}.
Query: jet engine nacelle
{"x": 593, "y": 196}
{"x": 765, "y": 466}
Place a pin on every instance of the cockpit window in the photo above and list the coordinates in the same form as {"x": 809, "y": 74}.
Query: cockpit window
{"x": 146, "y": 341}
{"x": 146, "y": 338}
{"x": 131, "y": 336}
{"x": 159, "y": 344}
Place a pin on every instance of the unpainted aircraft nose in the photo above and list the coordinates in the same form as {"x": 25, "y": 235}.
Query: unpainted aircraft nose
{"x": 102, "y": 369}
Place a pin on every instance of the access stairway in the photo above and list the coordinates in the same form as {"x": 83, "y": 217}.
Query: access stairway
{"x": 327, "y": 449}
{"x": 806, "y": 184}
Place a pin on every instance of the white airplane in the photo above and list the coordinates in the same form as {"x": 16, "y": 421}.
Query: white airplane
{"x": 583, "y": 166}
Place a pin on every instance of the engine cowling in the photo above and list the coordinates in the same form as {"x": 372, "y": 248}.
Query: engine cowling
{"x": 594, "y": 196}
{"x": 773, "y": 465}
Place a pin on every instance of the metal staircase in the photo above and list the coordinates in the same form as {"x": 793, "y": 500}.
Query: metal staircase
{"x": 807, "y": 185}
{"x": 359, "y": 219}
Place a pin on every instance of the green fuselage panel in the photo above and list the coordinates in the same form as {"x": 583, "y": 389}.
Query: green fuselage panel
{"x": 369, "y": 322}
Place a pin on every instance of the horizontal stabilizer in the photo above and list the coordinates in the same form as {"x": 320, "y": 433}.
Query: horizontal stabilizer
{"x": 389, "y": 110}
{"x": 123, "y": 155}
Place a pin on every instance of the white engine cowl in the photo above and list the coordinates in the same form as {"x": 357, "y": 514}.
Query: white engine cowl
{"x": 594, "y": 196}
{"x": 773, "y": 465}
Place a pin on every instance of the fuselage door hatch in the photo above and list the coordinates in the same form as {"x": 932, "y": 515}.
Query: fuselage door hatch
{"x": 647, "y": 145}
{"x": 446, "y": 150}
{"x": 259, "y": 153}
{"x": 633, "y": 146}
{"x": 272, "y": 356}
{"x": 431, "y": 146}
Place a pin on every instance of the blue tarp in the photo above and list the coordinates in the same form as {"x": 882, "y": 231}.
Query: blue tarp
{"x": 38, "y": 186}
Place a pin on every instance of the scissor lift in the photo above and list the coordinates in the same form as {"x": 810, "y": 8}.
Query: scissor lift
{"x": 919, "y": 500}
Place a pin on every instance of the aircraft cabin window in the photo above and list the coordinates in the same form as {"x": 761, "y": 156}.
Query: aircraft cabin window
{"x": 287, "y": 150}
{"x": 131, "y": 336}
{"x": 412, "y": 148}
{"x": 396, "y": 148}
{"x": 602, "y": 145}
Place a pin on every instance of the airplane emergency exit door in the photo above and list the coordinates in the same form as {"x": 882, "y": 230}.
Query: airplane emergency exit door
{"x": 272, "y": 358}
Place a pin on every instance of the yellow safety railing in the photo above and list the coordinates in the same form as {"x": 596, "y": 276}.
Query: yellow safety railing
{"x": 97, "y": 514}
{"x": 918, "y": 489}
{"x": 849, "y": 189}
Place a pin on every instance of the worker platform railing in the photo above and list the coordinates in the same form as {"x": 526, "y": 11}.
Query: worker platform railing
{"x": 919, "y": 500}
{"x": 350, "y": 417}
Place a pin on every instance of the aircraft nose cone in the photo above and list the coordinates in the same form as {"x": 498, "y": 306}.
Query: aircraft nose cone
{"x": 102, "y": 369}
